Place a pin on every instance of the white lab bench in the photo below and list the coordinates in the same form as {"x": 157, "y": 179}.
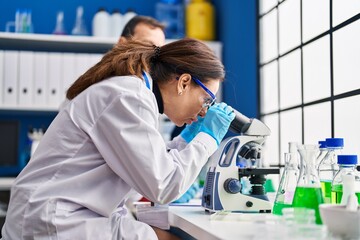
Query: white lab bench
{"x": 195, "y": 221}
{"x": 198, "y": 223}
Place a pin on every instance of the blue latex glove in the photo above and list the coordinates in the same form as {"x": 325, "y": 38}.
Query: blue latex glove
{"x": 190, "y": 131}
{"x": 189, "y": 194}
{"x": 217, "y": 121}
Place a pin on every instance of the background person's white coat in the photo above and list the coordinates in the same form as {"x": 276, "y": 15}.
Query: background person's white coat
{"x": 101, "y": 145}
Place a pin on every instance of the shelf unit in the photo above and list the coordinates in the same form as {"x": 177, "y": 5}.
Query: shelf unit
{"x": 47, "y": 42}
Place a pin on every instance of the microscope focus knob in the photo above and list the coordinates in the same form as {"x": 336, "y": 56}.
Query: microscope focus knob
{"x": 232, "y": 185}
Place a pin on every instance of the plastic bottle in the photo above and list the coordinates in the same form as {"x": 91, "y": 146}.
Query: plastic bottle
{"x": 101, "y": 23}
{"x": 200, "y": 20}
{"x": 129, "y": 14}
{"x": 285, "y": 194}
{"x": 171, "y": 14}
{"x": 328, "y": 167}
{"x": 79, "y": 26}
{"x": 347, "y": 164}
{"x": 59, "y": 28}
{"x": 116, "y": 23}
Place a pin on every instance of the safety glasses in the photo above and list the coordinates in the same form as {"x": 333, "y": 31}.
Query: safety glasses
{"x": 210, "y": 101}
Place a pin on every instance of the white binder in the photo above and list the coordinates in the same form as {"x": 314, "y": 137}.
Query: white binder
{"x": 95, "y": 58}
{"x": 26, "y": 76}
{"x": 10, "y": 90}
{"x": 1, "y": 76}
{"x": 40, "y": 78}
{"x": 68, "y": 70}
{"x": 54, "y": 78}
{"x": 82, "y": 64}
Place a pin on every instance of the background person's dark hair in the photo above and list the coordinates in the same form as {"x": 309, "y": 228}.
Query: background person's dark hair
{"x": 129, "y": 28}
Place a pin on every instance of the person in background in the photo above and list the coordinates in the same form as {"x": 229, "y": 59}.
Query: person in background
{"x": 105, "y": 142}
{"x": 146, "y": 28}
{"x": 143, "y": 28}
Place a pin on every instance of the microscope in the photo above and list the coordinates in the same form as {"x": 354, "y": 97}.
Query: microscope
{"x": 237, "y": 158}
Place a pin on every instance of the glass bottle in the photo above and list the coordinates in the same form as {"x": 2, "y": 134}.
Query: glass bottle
{"x": 79, "y": 27}
{"x": 323, "y": 151}
{"x": 308, "y": 190}
{"x": 347, "y": 164}
{"x": 328, "y": 167}
{"x": 59, "y": 28}
{"x": 285, "y": 194}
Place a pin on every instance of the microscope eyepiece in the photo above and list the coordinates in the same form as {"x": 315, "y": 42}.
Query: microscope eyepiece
{"x": 240, "y": 123}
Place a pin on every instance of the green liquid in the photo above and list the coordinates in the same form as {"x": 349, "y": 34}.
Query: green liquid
{"x": 309, "y": 197}
{"x": 279, "y": 206}
{"x": 337, "y": 194}
{"x": 326, "y": 190}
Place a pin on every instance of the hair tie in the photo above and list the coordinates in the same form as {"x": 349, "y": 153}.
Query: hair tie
{"x": 157, "y": 52}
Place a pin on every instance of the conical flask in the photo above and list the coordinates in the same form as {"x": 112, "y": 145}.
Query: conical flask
{"x": 288, "y": 181}
{"x": 308, "y": 192}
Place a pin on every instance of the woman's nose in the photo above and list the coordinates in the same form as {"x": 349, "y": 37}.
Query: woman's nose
{"x": 203, "y": 112}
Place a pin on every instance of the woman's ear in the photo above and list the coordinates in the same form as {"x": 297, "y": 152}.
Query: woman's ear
{"x": 184, "y": 83}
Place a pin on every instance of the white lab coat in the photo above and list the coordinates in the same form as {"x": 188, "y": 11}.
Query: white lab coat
{"x": 101, "y": 145}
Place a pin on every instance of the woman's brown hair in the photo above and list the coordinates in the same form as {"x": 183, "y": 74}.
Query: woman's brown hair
{"x": 175, "y": 58}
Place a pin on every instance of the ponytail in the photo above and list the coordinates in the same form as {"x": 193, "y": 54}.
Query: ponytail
{"x": 126, "y": 59}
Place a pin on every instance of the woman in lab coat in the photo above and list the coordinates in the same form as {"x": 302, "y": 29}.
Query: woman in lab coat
{"x": 104, "y": 142}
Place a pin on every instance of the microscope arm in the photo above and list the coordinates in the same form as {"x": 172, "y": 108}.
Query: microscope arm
{"x": 246, "y": 126}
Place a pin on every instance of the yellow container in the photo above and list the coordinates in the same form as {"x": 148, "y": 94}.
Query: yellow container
{"x": 200, "y": 20}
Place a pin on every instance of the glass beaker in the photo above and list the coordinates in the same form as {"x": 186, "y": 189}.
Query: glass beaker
{"x": 285, "y": 194}
{"x": 308, "y": 192}
{"x": 328, "y": 167}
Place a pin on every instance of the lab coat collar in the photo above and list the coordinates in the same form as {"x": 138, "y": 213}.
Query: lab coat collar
{"x": 158, "y": 97}
{"x": 155, "y": 89}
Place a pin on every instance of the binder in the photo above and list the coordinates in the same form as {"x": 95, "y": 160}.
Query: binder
{"x": 68, "y": 70}
{"x": 1, "y": 75}
{"x": 82, "y": 64}
{"x": 10, "y": 90}
{"x": 40, "y": 78}
{"x": 54, "y": 78}
{"x": 95, "y": 58}
{"x": 26, "y": 76}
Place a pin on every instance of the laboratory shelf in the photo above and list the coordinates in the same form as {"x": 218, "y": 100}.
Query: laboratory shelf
{"x": 48, "y": 42}
{"x": 29, "y": 108}
{"x": 69, "y": 43}
{"x": 6, "y": 183}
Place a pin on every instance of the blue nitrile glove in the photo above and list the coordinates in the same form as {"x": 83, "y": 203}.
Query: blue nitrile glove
{"x": 190, "y": 131}
{"x": 189, "y": 194}
{"x": 217, "y": 121}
